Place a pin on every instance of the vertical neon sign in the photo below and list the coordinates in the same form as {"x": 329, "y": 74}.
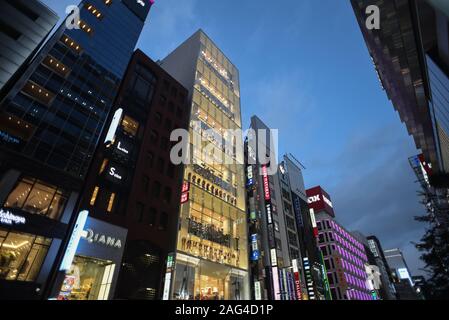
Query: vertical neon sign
{"x": 266, "y": 186}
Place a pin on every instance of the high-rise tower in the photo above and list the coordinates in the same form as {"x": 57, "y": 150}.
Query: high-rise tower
{"x": 211, "y": 260}
{"x": 54, "y": 116}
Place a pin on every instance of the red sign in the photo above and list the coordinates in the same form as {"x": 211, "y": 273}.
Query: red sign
{"x": 298, "y": 286}
{"x": 319, "y": 200}
{"x": 184, "y": 197}
{"x": 266, "y": 185}
{"x": 185, "y": 186}
{"x": 427, "y": 166}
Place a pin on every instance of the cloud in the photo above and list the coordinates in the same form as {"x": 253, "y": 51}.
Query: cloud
{"x": 374, "y": 190}
{"x": 170, "y": 22}
{"x": 283, "y": 101}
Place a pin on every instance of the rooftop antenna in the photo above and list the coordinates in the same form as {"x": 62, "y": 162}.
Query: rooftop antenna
{"x": 297, "y": 161}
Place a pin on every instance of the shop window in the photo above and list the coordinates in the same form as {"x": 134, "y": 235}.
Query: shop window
{"x": 36, "y": 197}
{"x": 130, "y": 126}
{"x": 21, "y": 255}
{"x": 93, "y": 198}
{"x": 205, "y": 281}
{"x": 88, "y": 279}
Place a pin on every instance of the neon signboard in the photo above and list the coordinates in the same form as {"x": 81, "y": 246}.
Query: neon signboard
{"x": 277, "y": 292}
{"x": 250, "y": 176}
{"x": 113, "y": 127}
{"x": 184, "y": 197}
{"x": 74, "y": 241}
{"x": 266, "y": 185}
{"x": 297, "y": 279}
{"x": 8, "y": 218}
{"x": 185, "y": 192}
{"x": 314, "y": 225}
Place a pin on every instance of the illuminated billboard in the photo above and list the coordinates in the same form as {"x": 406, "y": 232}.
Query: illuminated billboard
{"x": 266, "y": 185}
{"x": 319, "y": 200}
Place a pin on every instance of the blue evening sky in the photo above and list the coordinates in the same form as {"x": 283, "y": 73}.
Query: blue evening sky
{"x": 305, "y": 69}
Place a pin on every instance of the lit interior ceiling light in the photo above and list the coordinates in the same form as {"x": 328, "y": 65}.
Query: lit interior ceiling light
{"x": 15, "y": 247}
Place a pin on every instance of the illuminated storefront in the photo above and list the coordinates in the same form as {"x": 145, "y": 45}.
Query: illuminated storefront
{"x": 212, "y": 253}
{"x": 94, "y": 271}
{"x": 33, "y": 218}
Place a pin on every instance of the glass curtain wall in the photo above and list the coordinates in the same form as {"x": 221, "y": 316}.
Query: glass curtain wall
{"x": 212, "y": 254}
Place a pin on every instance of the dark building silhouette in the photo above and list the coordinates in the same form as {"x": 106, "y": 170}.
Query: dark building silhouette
{"x": 24, "y": 27}
{"x": 132, "y": 182}
{"x": 53, "y": 117}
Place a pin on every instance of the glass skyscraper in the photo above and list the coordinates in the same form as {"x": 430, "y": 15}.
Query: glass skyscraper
{"x": 53, "y": 118}
{"x": 211, "y": 260}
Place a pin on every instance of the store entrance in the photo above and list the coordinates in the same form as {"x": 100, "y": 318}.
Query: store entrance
{"x": 87, "y": 279}
{"x": 210, "y": 287}
{"x": 197, "y": 279}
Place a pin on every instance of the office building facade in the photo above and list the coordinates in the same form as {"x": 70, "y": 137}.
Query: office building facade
{"x": 414, "y": 71}
{"x": 410, "y": 53}
{"x": 211, "y": 259}
{"x": 132, "y": 182}
{"x": 344, "y": 256}
{"x": 387, "y": 290}
{"x": 400, "y": 273}
{"x": 273, "y": 241}
{"x": 398, "y": 265}
{"x": 54, "y": 115}
{"x": 24, "y": 26}
{"x": 435, "y": 199}
{"x": 314, "y": 284}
